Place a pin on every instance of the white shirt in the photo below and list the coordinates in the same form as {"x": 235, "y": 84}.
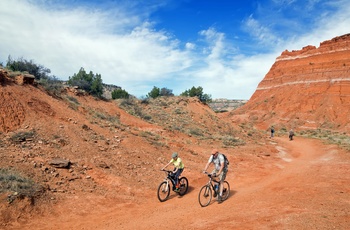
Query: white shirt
{"x": 217, "y": 161}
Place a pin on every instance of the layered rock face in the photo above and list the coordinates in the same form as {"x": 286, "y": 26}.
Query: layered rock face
{"x": 308, "y": 88}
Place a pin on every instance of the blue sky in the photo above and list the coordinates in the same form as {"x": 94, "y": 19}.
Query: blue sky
{"x": 225, "y": 46}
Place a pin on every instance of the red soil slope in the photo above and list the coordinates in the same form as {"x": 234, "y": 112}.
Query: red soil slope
{"x": 308, "y": 88}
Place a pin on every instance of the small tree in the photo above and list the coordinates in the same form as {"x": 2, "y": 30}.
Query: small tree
{"x": 89, "y": 82}
{"x": 96, "y": 86}
{"x": 120, "y": 93}
{"x": 166, "y": 92}
{"x": 197, "y": 92}
{"x": 155, "y": 92}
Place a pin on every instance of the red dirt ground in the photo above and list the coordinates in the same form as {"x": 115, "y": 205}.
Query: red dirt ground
{"x": 112, "y": 184}
{"x": 306, "y": 186}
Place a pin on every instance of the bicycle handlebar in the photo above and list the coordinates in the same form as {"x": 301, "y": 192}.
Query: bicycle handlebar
{"x": 209, "y": 174}
{"x": 212, "y": 177}
{"x": 164, "y": 170}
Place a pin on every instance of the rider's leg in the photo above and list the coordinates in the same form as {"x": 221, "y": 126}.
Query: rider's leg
{"x": 177, "y": 175}
{"x": 222, "y": 178}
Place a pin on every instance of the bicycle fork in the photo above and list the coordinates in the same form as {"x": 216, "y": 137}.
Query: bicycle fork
{"x": 166, "y": 185}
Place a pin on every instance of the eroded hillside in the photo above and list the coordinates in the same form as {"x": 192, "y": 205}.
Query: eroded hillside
{"x": 305, "y": 89}
{"x": 76, "y": 144}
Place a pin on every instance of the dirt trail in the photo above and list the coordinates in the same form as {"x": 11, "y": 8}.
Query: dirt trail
{"x": 308, "y": 188}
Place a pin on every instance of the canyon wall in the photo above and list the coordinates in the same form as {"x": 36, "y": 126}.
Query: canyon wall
{"x": 308, "y": 88}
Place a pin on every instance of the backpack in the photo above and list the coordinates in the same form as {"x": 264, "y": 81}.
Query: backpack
{"x": 226, "y": 160}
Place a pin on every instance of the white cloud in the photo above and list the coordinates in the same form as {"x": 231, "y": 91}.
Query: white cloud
{"x": 66, "y": 40}
{"x": 190, "y": 46}
{"x": 127, "y": 51}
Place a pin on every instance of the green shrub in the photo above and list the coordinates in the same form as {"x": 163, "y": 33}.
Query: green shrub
{"x": 90, "y": 82}
{"x": 119, "y": 93}
{"x": 197, "y": 92}
{"x": 154, "y": 93}
{"x": 23, "y": 65}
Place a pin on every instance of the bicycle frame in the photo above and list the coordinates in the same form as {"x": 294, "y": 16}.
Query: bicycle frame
{"x": 169, "y": 178}
{"x": 212, "y": 181}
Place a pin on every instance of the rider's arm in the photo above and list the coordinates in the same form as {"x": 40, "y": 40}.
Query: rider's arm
{"x": 221, "y": 168}
{"x": 166, "y": 165}
{"x": 206, "y": 166}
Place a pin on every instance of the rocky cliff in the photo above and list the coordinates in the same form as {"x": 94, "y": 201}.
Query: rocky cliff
{"x": 224, "y": 105}
{"x": 307, "y": 88}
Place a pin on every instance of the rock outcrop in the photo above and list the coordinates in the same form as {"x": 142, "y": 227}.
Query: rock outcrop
{"x": 222, "y": 105}
{"x": 308, "y": 88}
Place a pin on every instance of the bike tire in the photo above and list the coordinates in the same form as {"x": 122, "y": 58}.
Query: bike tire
{"x": 205, "y": 195}
{"x": 163, "y": 191}
{"x": 183, "y": 186}
{"x": 226, "y": 190}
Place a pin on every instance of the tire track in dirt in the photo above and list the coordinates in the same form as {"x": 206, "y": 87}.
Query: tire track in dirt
{"x": 277, "y": 201}
{"x": 308, "y": 190}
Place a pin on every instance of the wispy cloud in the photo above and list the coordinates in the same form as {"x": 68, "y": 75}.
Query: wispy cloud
{"x": 120, "y": 42}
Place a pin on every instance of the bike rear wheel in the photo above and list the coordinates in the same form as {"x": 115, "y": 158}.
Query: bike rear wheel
{"x": 163, "y": 191}
{"x": 183, "y": 186}
{"x": 205, "y": 195}
{"x": 225, "y": 190}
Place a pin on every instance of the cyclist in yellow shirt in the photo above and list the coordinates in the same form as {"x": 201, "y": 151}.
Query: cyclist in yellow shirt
{"x": 179, "y": 167}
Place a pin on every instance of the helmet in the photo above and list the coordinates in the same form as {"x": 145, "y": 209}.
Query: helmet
{"x": 174, "y": 155}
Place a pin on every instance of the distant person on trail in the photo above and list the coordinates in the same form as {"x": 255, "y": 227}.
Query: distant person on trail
{"x": 291, "y": 134}
{"x": 220, "y": 169}
{"x": 179, "y": 167}
{"x": 272, "y": 131}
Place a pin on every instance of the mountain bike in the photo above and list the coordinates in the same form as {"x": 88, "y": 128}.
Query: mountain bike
{"x": 163, "y": 191}
{"x": 212, "y": 188}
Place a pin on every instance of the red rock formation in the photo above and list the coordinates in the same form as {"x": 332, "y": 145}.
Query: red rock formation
{"x": 308, "y": 88}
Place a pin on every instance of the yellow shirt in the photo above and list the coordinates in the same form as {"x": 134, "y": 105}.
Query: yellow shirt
{"x": 177, "y": 163}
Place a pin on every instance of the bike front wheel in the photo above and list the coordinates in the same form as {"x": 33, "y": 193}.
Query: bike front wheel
{"x": 183, "y": 186}
{"x": 225, "y": 190}
{"x": 163, "y": 191}
{"x": 205, "y": 195}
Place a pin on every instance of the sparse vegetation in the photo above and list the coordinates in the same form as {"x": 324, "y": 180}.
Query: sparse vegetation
{"x": 73, "y": 102}
{"x": 23, "y": 65}
{"x": 73, "y": 99}
{"x": 157, "y": 92}
{"x": 330, "y": 137}
{"x": 52, "y": 85}
{"x": 17, "y": 185}
{"x": 196, "y": 132}
{"x": 132, "y": 106}
{"x": 22, "y": 136}
{"x": 232, "y": 141}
